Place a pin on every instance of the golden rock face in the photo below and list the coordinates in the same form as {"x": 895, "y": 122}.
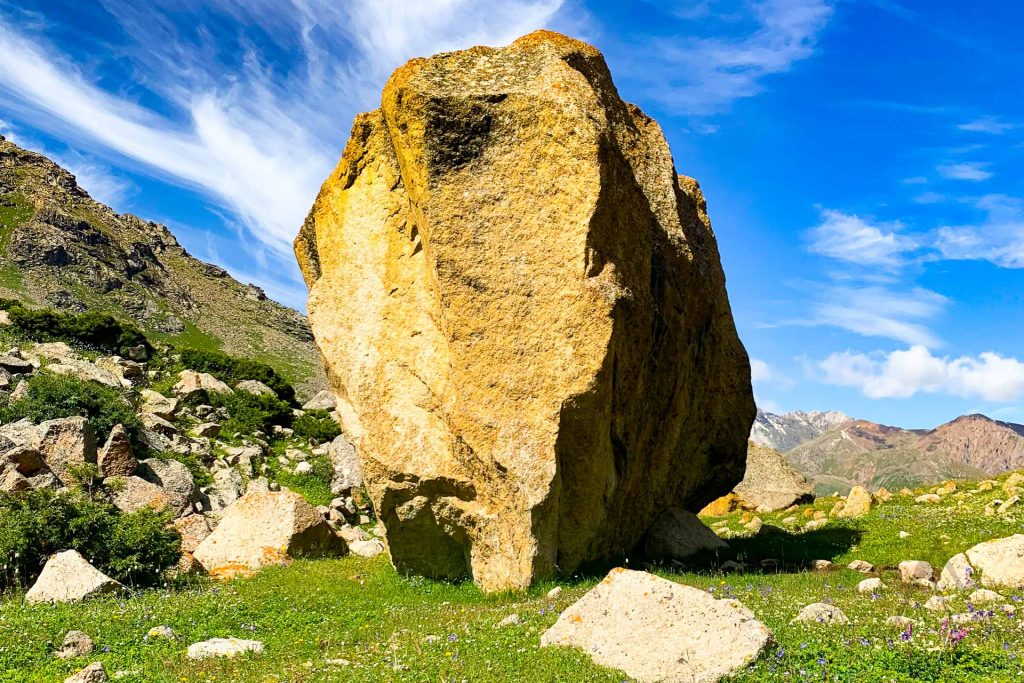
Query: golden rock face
{"x": 523, "y": 315}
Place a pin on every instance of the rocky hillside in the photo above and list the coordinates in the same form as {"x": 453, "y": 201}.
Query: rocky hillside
{"x": 783, "y": 432}
{"x": 870, "y": 454}
{"x": 60, "y": 248}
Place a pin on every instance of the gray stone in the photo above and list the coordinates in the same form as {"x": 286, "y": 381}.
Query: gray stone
{"x": 68, "y": 577}
{"x": 76, "y": 644}
{"x": 677, "y": 534}
{"x": 370, "y": 548}
{"x": 255, "y": 387}
{"x": 914, "y": 571}
{"x": 158, "y": 404}
{"x": 820, "y": 613}
{"x": 348, "y": 473}
{"x": 174, "y": 478}
{"x": 324, "y": 400}
{"x": 94, "y": 673}
{"x": 131, "y": 494}
{"x": 65, "y": 444}
{"x": 770, "y": 483}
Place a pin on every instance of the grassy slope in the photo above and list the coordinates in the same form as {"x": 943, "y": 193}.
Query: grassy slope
{"x": 359, "y": 610}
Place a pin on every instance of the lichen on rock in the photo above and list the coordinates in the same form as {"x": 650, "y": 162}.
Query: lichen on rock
{"x": 523, "y": 316}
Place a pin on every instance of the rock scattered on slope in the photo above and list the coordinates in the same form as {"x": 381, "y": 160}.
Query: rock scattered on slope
{"x": 656, "y": 630}
{"x": 1000, "y": 563}
{"x": 324, "y": 400}
{"x": 68, "y": 577}
{"x": 820, "y": 613}
{"x": 116, "y": 457}
{"x": 75, "y": 644}
{"x": 915, "y": 571}
{"x": 677, "y": 534}
{"x": 94, "y": 673}
{"x": 519, "y": 377}
{"x": 192, "y": 385}
{"x": 261, "y": 529}
{"x": 223, "y": 647}
{"x": 66, "y": 443}
{"x": 770, "y": 483}
{"x": 175, "y": 480}
{"x": 858, "y": 503}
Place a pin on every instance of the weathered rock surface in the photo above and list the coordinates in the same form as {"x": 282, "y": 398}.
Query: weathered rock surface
{"x": 94, "y": 673}
{"x": 75, "y": 644}
{"x": 676, "y": 534}
{"x": 68, "y": 577}
{"x": 193, "y": 530}
{"x": 958, "y": 574}
{"x": 223, "y": 647}
{"x": 116, "y": 457}
{"x": 175, "y": 480}
{"x": 348, "y": 474}
{"x": 523, "y": 315}
{"x": 324, "y": 400}
{"x": 131, "y": 494}
{"x": 66, "y": 443}
{"x": 656, "y": 630}
{"x": 1000, "y": 562}
{"x": 821, "y": 613}
{"x": 770, "y": 483}
{"x": 260, "y": 529}
{"x": 157, "y": 404}
{"x": 858, "y": 503}
{"x": 193, "y": 384}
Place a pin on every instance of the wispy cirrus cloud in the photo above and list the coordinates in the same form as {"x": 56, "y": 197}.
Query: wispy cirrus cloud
{"x": 988, "y": 124}
{"x": 973, "y": 171}
{"x": 853, "y": 239}
{"x": 905, "y": 373}
{"x": 704, "y": 74}
{"x": 886, "y": 312}
{"x": 998, "y": 238}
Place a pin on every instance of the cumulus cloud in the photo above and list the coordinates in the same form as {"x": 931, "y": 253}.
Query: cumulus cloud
{"x": 760, "y": 371}
{"x": 848, "y": 237}
{"x": 905, "y": 373}
{"x": 972, "y": 171}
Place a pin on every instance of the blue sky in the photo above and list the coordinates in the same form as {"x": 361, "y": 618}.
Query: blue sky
{"x": 862, "y": 159}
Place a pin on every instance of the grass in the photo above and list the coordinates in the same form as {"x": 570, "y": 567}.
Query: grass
{"x": 390, "y": 628}
{"x": 14, "y": 211}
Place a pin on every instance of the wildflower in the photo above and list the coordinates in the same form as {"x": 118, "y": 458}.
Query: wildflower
{"x": 907, "y": 634}
{"x": 821, "y": 661}
{"x": 452, "y": 637}
{"x": 781, "y": 653}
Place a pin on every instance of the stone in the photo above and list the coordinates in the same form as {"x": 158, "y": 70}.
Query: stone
{"x": 155, "y": 423}
{"x": 515, "y": 348}
{"x": 206, "y": 429}
{"x": 196, "y": 385}
{"x": 86, "y": 372}
{"x": 75, "y": 644}
{"x": 984, "y": 596}
{"x": 303, "y": 468}
{"x": 24, "y": 460}
{"x": 510, "y": 620}
{"x": 912, "y": 571}
{"x": 770, "y": 483}
{"x": 255, "y": 387}
{"x": 1000, "y": 562}
{"x": 116, "y": 457}
{"x": 65, "y": 444}
{"x": 677, "y": 534}
{"x": 174, "y": 478}
{"x": 722, "y": 506}
{"x": 958, "y": 574}
{"x": 161, "y": 633}
{"x": 1005, "y": 506}
{"x": 368, "y": 548}
{"x": 754, "y": 525}
{"x": 815, "y": 524}
{"x": 324, "y": 400}
{"x": 261, "y": 529}
{"x": 131, "y": 494}
{"x": 154, "y": 403}
{"x": 15, "y": 365}
{"x": 348, "y": 475}
{"x": 223, "y": 647}
{"x": 904, "y": 535}
{"x": 873, "y": 585}
{"x": 946, "y": 489}
{"x": 1013, "y": 481}
{"x": 193, "y": 530}
{"x": 882, "y": 495}
{"x": 227, "y": 488}
{"x": 656, "y": 630}
{"x": 68, "y": 577}
{"x": 937, "y": 603}
{"x": 987, "y": 485}
{"x": 821, "y": 565}
{"x": 900, "y": 622}
{"x": 554, "y": 593}
{"x": 858, "y": 503}
{"x": 94, "y": 673}
{"x": 820, "y": 613}
{"x": 928, "y": 498}
{"x": 861, "y": 566}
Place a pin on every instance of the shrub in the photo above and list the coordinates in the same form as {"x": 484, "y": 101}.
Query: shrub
{"x": 50, "y": 396}
{"x": 317, "y": 425}
{"x": 233, "y": 370}
{"x": 132, "y": 548}
{"x": 249, "y": 413}
{"x": 101, "y": 331}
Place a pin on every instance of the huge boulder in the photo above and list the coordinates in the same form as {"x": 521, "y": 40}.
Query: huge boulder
{"x": 659, "y": 631}
{"x": 261, "y": 529}
{"x": 523, "y": 314}
{"x": 66, "y": 444}
{"x": 770, "y": 483}
{"x": 68, "y": 577}
{"x": 175, "y": 480}
{"x": 999, "y": 562}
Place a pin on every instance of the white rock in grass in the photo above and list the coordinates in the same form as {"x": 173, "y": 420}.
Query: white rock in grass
{"x": 1001, "y": 562}
{"x": 76, "y": 644}
{"x": 937, "y": 603}
{"x": 958, "y": 574}
{"x": 914, "y": 571}
{"x": 303, "y": 468}
{"x": 510, "y": 620}
{"x": 554, "y": 593}
{"x": 68, "y": 577}
{"x": 94, "y": 673}
{"x": 223, "y": 647}
{"x": 984, "y": 596}
{"x": 861, "y": 566}
{"x": 899, "y": 622}
{"x": 904, "y": 534}
{"x": 820, "y": 613}
{"x": 656, "y": 630}
{"x": 873, "y": 585}
{"x": 369, "y": 548}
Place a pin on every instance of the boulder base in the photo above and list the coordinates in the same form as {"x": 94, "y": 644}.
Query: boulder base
{"x": 660, "y": 631}
{"x": 523, "y": 316}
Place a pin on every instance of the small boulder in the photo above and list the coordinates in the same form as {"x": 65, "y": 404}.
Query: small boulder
{"x": 821, "y": 565}
{"x": 131, "y": 494}
{"x": 174, "y": 478}
{"x": 161, "y": 633}
{"x": 324, "y": 400}
{"x": 858, "y": 503}
{"x": 770, "y": 483}
{"x": 209, "y": 430}
{"x": 820, "y": 613}
{"x": 958, "y": 574}
{"x": 915, "y": 571}
{"x": 76, "y": 644}
{"x": 223, "y": 647}
{"x": 260, "y": 529}
{"x": 937, "y": 603}
{"x": 1000, "y": 562}
{"x": 984, "y": 596}
{"x": 193, "y": 530}
{"x": 116, "y": 457}
{"x": 68, "y": 577}
{"x": 192, "y": 385}
{"x": 303, "y": 468}
{"x": 157, "y": 404}
{"x": 15, "y": 365}
{"x": 868, "y": 586}
{"x": 66, "y": 443}
{"x": 255, "y": 387}
{"x": 369, "y": 548}
{"x": 928, "y": 499}
{"x": 94, "y": 673}
{"x": 348, "y": 474}
{"x": 677, "y": 534}
{"x": 861, "y": 566}
{"x": 654, "y": 629}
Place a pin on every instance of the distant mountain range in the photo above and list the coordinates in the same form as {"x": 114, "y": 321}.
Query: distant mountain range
{"x": 836, "y": 452}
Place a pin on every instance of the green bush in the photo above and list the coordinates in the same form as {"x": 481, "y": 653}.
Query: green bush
{"x": 51, "y": 396}
{"x": 98, "y": 330}
{"x": 250, "y": 413}
{"x": 317, "y": 425}
{"x": 132, "y": 548}
{"x": 233, "y": 370}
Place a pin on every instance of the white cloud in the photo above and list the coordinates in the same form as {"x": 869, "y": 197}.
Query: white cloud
{"x": 973, "y": 171}
{"x": 905, "y": 373}
{"x": 999, "y": 238}
{"x": 877, "y": 311}
{"x": 987, "y": 124}
{"x": 929, "y": 198}
{"x": 850, "y": 238}
{"x": 99, "y": 180}
{"x": 254, "y": 136}
{"x": 760, "y": 371}
{"x": 703, "y": 75}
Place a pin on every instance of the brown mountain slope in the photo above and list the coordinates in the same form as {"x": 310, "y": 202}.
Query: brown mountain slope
{"x": 60, "y": 248}
{"x": 979, "y": 441}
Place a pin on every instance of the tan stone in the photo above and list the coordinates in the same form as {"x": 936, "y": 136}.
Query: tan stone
{"x": 1000, "y": 562}
{"x": 676, "y": 534}
{"x": 523, "y": 315}
{"x": 261, "y": 529}
{"x": 131, "y": 494}
{"x": 65, "y": 444}
{"x": 116, "y": 457}
{"x": 68, "y": 577}
{"x": 770, "y": 483}
{"x": 721, "y": 506}
{"x": 193, "y": 530}
{"x": 656, "y": 630}
{"x": 858, "y": 503}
